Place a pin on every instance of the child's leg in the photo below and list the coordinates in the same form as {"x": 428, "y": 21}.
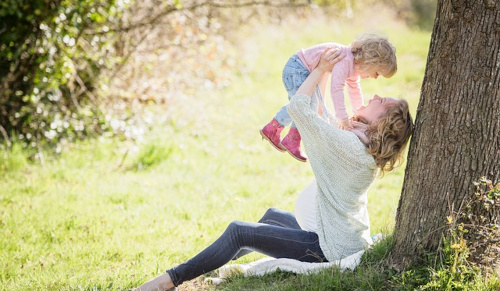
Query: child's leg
{"x": 314, "y": 104}
{"x": 294, "y": 74}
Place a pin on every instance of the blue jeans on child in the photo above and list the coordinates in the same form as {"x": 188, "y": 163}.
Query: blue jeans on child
{"x": 294, "y": 74}
{"x": 277, "y": 234}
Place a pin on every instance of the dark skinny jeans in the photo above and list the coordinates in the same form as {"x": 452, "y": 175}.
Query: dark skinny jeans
{"x": 277, "y": 234}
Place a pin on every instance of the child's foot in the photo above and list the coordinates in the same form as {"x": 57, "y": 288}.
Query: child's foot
{"x": 291, "y": 143}
{"x": 272, "y": 133}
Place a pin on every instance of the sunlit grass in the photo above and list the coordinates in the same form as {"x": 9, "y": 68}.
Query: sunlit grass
{"x": 111, "y": 215}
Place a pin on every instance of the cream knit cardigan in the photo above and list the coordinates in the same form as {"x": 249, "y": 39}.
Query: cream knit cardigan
{"x": 344, "y": 171}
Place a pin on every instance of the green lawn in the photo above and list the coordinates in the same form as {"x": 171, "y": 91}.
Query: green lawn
{"x": 97, "y": 218}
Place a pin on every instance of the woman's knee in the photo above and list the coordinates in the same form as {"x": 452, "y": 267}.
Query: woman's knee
{"x": 235, "y": 226}
{"x": 238, "y": 232}
{"x": 273, "y": 210}
{"x": 269, "y": 213}
{"x": 272, "y": 214}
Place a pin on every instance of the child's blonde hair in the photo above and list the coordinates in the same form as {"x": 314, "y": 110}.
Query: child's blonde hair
{"x": 373, "y": 52}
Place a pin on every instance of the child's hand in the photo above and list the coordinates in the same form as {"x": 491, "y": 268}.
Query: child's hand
{"x": 345, "y": 124}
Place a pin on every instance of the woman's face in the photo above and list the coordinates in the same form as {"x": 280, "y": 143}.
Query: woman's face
{"x": 376, "y": 107}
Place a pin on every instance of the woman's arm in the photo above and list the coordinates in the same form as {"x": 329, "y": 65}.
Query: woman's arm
{"x": 322, "y": 88}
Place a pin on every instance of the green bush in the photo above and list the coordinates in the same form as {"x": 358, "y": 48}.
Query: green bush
{"x": 52, "y": 53}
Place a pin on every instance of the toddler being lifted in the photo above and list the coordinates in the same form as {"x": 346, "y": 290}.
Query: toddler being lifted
{"x": 368, "y": 56}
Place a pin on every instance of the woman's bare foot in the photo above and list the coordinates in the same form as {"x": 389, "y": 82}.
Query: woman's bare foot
{"x": 161, "y": 283}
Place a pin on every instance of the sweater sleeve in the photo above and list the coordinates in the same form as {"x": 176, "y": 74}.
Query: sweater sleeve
{"x": 338, "y": 79}
{"x": 355, "y": 93}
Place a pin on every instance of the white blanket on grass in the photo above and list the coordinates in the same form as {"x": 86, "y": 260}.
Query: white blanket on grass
{"x": 270, "y": 265}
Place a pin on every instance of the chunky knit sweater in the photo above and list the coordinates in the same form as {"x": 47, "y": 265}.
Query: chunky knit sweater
{"x": 344, "y": 170}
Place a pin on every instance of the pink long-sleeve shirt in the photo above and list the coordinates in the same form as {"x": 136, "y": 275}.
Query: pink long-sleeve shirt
{"x": 342, "y": 74}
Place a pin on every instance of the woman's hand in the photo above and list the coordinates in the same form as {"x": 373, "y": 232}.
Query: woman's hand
{"x": 328, "y": 60}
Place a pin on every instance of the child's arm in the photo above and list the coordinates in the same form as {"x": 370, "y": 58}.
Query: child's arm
{"x": 338, "y": 80}
{"x": 355, "y": 93}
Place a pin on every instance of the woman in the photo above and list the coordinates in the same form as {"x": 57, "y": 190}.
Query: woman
{"x": 331, "y": 219}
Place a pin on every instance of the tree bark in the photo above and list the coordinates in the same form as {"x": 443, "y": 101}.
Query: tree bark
{"x": 457, "y": 127}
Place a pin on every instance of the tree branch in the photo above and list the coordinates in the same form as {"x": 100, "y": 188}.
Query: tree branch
{"x": 215, "y": 4}
{"x": 5, "y": 136}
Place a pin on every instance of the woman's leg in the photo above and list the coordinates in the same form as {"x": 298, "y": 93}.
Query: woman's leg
{"x": 278, "y": 217}
{"x": 271, "y": 240}
{"x": 274, "y": 216}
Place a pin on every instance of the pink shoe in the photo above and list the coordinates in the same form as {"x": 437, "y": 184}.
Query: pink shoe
{"x": 291, "y": 143}
{"x": 272, "y": 132}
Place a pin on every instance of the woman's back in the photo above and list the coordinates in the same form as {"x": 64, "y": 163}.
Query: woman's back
{"x": 344, "y": 171}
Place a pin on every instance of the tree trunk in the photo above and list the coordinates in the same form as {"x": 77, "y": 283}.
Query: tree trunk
{"x": 457, "y": 133}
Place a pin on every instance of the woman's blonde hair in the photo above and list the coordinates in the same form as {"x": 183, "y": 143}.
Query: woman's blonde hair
{"x": 373, "y": 52}
{"x": 389, "y": 135}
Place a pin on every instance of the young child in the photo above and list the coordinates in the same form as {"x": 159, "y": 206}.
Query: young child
{"x": 368, "y": 56}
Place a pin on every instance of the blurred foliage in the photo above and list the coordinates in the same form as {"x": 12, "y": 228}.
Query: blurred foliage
{"x": 12, "y": 159}
{"x": 50, "y": 59}
{"x": 70, "y": 69}
{"x": 423, "y": 13}
{"x": 418, "y": 13}
{"x": 152, "y": 154}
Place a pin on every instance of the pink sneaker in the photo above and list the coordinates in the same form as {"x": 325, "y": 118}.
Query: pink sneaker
{"x": 272, "y": 132}
{"x": 291, "y": 143}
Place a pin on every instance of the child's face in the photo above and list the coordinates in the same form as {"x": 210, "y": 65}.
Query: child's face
{"x": 369, "y": 73}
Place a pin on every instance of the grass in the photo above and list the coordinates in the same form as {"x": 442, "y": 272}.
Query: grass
{"x": 109, "y": 215}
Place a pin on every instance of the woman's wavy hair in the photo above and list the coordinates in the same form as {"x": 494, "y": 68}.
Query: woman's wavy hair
{"x": 389, "y": 135}
{"x": 373, "y": 52}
